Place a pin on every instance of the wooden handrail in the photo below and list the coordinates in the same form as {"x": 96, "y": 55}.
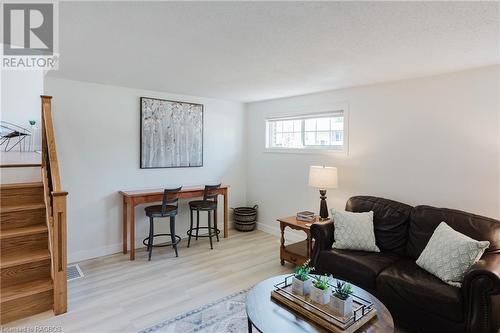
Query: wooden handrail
{"x": 50, "y": 143}
{"x": 55, "y": 202}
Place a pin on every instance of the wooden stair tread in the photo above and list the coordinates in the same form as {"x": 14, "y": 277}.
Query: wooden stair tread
{"x": 20, "y": 165}
{"x": 20, "y": 185}
{"x": 23, "y": 231}
{"x": 24, "y": 258}
{"x": 20, "y": 290}
{"x": 20, "y": 208}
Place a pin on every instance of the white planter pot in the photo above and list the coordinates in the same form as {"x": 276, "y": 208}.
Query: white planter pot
{"x": 341, "y": 307}
{"x": 319, "y": 295}
{"x": 302, "y": 288}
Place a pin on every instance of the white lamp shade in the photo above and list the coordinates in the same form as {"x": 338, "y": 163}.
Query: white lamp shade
{"x": 323, "y": 177}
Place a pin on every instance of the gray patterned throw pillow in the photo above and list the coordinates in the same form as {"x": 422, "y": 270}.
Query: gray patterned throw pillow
{"x": 449, "y": 254}
{"x": 354, "y": 231}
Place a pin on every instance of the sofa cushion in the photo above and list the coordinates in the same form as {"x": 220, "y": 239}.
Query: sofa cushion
{"x": 358, "y": 267}
{"x": 449, "y": 254}
{"x": 390, "y": 220}
{"x": 353, "y": 231}
{"x": 425, "y": 219}
{"x": 406, "y": 283}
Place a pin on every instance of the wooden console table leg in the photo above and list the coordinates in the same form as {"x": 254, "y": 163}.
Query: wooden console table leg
{"x": 282, "y": 248}
{"x": 132, "y": 231}
{"x": 226, "y": 227}
{"x": 125, "y": 227}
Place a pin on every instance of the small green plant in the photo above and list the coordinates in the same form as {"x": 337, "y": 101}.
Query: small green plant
{"x": 342, "y": 290}
{"x": 321, "y": 282}
{"x": 302, "y": 271}
{"x": 32, "y": 122}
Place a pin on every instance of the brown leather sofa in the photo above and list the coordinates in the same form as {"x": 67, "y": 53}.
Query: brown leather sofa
{"x": 416, "y": 299}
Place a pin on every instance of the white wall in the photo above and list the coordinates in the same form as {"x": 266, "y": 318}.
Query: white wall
{"x": 429, "y": 141}
{"x": 20, "y": 97}
{"x": 20, "y": 102}
{"x": 97, "y": 135}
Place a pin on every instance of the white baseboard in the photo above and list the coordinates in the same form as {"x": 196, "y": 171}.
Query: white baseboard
{"x": 74, "y": 257}
{"x": 290, "y": 235}
{"x": 77, "y": 256}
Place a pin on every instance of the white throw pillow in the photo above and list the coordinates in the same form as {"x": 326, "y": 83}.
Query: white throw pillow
{"x": 353, "y": 231}
{"x": 449, "y": 254}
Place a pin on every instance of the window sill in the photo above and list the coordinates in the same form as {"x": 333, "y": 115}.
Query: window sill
{"x": 306, "y": 151}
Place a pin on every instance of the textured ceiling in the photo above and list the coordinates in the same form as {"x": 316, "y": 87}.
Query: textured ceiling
{"x": 248, "y": 51}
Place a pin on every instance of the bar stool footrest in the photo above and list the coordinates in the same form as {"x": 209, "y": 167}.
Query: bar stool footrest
{"x": 215, "y": 231}
{"x": 178, "y": 240}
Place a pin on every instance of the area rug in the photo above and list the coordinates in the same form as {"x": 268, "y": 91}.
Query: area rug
{"x": 226, "y": 315}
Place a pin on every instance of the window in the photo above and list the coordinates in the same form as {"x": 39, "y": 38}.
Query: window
{"x": 320, "y": 131}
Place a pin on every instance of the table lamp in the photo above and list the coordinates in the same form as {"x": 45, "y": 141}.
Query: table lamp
{"x": 323, "y": 177}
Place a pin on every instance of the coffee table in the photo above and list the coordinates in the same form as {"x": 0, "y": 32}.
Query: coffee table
{"x": 268, "y": 316}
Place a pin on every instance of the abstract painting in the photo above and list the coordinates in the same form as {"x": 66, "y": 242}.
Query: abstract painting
{"x": 171, "y": 134}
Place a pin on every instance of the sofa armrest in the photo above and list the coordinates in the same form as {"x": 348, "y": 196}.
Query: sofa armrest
{"x": 481, "y": 283}
{"x": 322, "y": 233}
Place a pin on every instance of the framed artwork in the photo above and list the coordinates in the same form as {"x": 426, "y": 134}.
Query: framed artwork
{"x": 171, "y": 134}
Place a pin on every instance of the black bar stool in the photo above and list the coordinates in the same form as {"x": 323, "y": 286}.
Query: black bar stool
{"x": 208, "y": 204}
{"x": 168, "y": 207}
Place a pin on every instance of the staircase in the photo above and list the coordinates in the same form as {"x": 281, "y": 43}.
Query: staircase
{"x": 26, "y": 286}
{"x": 33, "y": 238}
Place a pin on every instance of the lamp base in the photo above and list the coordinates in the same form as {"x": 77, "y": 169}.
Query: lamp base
{"x": 323, "y": 209}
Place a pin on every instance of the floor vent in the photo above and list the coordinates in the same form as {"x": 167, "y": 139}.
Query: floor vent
{"x": 74, "y": 272}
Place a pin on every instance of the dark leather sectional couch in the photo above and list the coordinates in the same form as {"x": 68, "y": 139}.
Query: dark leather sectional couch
{"x": 416, "y": 299}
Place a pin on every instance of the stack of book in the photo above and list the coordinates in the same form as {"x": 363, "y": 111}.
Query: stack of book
{"x": 305, "y": 216}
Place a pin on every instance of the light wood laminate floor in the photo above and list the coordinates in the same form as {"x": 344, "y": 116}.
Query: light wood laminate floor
{"x": 117, "y": 295}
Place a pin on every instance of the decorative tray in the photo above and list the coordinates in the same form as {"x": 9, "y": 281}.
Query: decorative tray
{"x": 322, "y": 315}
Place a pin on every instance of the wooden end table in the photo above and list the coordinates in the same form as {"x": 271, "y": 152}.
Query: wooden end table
{"x": 296, "y": 253}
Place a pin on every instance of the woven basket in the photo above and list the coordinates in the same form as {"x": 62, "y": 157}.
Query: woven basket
{"x": 245, "y": 218}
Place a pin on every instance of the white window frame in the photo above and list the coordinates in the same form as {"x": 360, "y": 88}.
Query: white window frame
{"x": 310, "y": 149}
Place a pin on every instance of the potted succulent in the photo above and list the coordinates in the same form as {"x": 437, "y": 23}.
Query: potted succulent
{"x": 320, "y": 291}
{"x": 341, "y": 300}
{"x": 301, "y": 282}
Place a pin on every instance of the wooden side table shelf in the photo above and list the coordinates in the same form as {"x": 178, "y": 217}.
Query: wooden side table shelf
{"x": 296, "y": 253}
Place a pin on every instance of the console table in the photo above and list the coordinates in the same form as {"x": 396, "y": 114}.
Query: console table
{"x": 296, "y": 253}
{"x": 137, "y": 197}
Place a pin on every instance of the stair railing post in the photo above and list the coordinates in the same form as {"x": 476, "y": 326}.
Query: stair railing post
{"x": 59, "y": 252}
